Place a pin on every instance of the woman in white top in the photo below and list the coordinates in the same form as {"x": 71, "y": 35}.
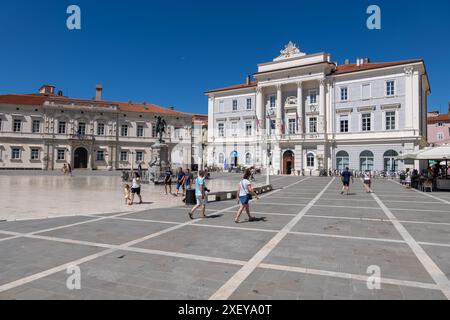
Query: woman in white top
{"x": 136, "y": 188}
{"x": 367, "y": 181}
{"x": 244, "y": 193}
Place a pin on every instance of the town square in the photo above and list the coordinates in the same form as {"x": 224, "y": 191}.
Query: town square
{"x": 293, "y": 169}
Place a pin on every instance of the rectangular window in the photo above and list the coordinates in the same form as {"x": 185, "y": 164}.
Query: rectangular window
{"x": 344, "y": 94}
{"x": 313, "y": 97}
{"x": 291, "y": 126}
{"x": 313, "y": 125}
{"x": 139, "y": 156}
{"x": 153, "y": 130}
{"x": 36, "y": 126}
{"x": 234, "y": 105}
{"x": 234, "y": 129}
{"x": 140, "y": 131}
{"x": 366, "y": 122}
{"x": 366, "y": 94}
{"x": 273, "y": 101}
{"x": 390, "y": 88}
{"x": 248, "y": 129}
{"x": 124, "y": 130}
{"x": 61, "y": 127}
{"x": 61, "y": 154}
{"x": 100, "y": 155}
{"x": 221, "y": 130}
{"x": 344, "y": 124}
{"x": 34, "y": 154}
{"x": 15, "y": 154}
{"x": 440, "y": 136}
{"x": 123, "y": 155}
{"x": 390, "y": 120}
{"x": 17, "y": 125}
{"x": 101, "y": 129}
{"x": 249, "y": 104}
{"x": 82, "y": 128}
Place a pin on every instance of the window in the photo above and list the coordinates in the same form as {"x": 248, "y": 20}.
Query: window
{"x": 221, "y": 158}
{"x": 140, "y": 131}
{"x": 234, "y": 129}
{"x": 34, "y": 154}
{"x": 313, "y": 125}
{"x": 366, "y": 94}
{"x": 61, "y": 127}
{"x": 366, "y": 161}
{"x": 123, "y": 155}
{"x": 273, "y": 101}
{"x": 139, "y": 156}
{"x": 310, "y": 160}
{"x": 390, "y": 120}
{"x": 221, "y": 130}
{"x": 248, "y": 159}
{"x": 82, "y": 128}
{"x": 313, "y": 97}
{"x": 272, "y": 124}
{"x": 291, "y": 126}
{"x": 234, "y": 105}
{"x": 17, "y": 125}
{"x": 342, "y": 160}
{"x": 100, "y": 155}
{"x": 344, "y": 94}
{"x": 440, "y": 124}
{"x": 249, "y": 104}
{"x": 390, "y": 88}
{"x": 248, "y": 129}
{"x": 15, "y": 154}
{"x": 124, "y": 130}
{"x": 440, "y": 136}
{"x": 178, "y": 133}
{"x": 153, "y": 130}
{"x": 36, "y": 126}
{"x": 366, "y": 122}
{"x": 390, "y": 164}
{"x": 344, "y": 124}
{"x": 61, "y": 155}
{"x": 101, "y": 129}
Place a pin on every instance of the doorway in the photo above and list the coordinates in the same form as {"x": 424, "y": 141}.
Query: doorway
{"x": 80, "y": 159}
{"x": 288, "y": 162}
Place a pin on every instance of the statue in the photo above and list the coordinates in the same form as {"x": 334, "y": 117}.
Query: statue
{"x": 160, "y": 127}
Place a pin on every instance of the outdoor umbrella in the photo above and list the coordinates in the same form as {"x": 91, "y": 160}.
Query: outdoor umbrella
{"x": 436, "y": 153}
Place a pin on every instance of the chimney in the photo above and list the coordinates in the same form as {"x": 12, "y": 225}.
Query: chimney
{"x": 60, "y": 93}
{"x": 47, "y": 90}
{"x": 98, "y": 92}
{"x": 366, "y": 60}
{"x": 248, "y": 79}
{"x": 171, "y": 108}
{"x": 347, "y": 61}
{"x": 358, "y": 62}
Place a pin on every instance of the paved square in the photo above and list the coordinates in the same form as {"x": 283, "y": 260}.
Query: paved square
{"x": 311, "y": 243}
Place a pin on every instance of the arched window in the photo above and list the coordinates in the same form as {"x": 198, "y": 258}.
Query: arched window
{"x": 221, "y": 158}
{"x": 310, "y": 160}
{"x": 366, "y": 160}
{"x": 248, "y": 159}
{"x": 342, "y": 160}
{"x": 390, "y": 164}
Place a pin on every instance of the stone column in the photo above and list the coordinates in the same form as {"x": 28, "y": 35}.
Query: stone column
{"x": 211, "y": 125}
{"x": 322, "y": 111}
{"x": 279, "y": 130}
{"x": 260, "y": 108}
{"x": 300, "y": 125}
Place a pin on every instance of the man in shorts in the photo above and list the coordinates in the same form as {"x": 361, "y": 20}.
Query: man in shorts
{"x": 200, "y": 195}
{"x": 346, "y": 176}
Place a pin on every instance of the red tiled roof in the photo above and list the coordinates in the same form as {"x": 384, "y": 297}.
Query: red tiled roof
{"x": 347, "y": 68}
{"x": 238, "y": 86}
{"x": 149, "y": 108}
{"x": 440, "y": 118}
{"x": 22, "y": 99}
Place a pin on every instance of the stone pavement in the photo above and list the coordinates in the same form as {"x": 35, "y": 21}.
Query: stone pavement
{"x": 311, "y": 243}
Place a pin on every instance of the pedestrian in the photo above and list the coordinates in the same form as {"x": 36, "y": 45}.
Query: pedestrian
{"x": 244, "y": 195}
{"x": 188, "y": 179}
{"x": 136, "y": 188}
{"x": 168, "y": 180}
{"x": 345, "y": 177}
{"x": 200, "y": 195}
{"x": 127, "y": 194}
{"x": 180, "y": 180}
{"x": 367, "y": 178}
{"x": 69, "y": 169}
{"x": 64, "y": 169}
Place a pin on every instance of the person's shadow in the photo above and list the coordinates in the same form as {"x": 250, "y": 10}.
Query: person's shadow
{"x": 256, "y": 219}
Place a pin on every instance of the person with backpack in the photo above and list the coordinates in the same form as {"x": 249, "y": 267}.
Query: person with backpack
{"x": 201, "y": 192}
{"x": 245, "y": 193}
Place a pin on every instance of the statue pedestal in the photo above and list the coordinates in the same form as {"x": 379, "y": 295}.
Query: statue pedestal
{"x": 161, "y": 153}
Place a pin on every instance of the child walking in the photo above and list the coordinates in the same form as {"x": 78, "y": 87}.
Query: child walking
{"x": 127, "y": 194}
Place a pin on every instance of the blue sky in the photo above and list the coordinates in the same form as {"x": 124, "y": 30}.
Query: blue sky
{"x": 170, "y": 52}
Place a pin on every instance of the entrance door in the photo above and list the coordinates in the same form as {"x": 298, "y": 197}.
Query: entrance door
{"x": 80, "y": 159}
{"x": 288, "y": 162}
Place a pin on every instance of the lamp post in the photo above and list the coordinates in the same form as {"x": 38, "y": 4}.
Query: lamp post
{"x": 269, "y": 163}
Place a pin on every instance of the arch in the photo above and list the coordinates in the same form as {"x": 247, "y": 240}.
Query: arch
{"x": 366, "y": 153}
{"x": 342, "y": 154}
{"x": 366, "y": 161}
{"x": 391, "y": 153}
{"x": 80, "y": 158}
{"x": 288, "y": 162}
{"x": 342, "y": 160}
{"x": 234, "y": 158}
{"x": 389, "y": 161}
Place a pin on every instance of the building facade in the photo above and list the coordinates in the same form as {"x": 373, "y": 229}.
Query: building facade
{"x": 438, "y": 128}
{"x": 304, "y": 113}
{"x": 45, "y": 130}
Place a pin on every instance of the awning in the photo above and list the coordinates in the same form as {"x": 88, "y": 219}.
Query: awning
{"x": 435, "y": 153}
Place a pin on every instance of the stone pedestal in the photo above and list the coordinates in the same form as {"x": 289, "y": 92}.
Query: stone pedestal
{"x": 161, "y": 160}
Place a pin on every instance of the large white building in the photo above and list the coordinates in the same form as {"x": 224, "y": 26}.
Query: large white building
{"x": 312, "y": 114}
{"x": 43, "y": 131}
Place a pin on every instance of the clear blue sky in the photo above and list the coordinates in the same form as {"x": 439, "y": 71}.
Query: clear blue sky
{"x": 170, "y": 52}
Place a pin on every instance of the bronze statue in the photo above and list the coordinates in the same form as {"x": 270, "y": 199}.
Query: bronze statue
{"x": 160, "y": 127}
